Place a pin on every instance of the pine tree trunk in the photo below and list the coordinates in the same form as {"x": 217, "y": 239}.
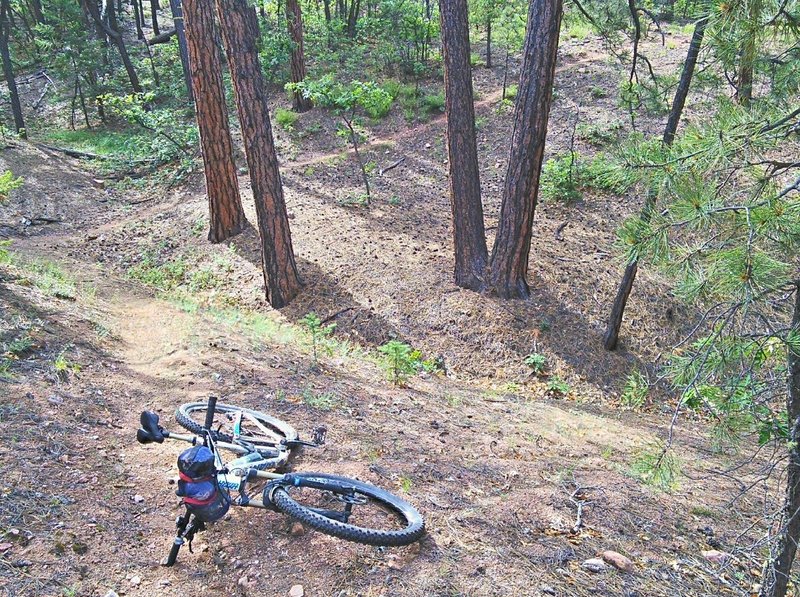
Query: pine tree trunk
{"x": 180, "y": 32}
{"x": 614, "y": 325}
{"x": 154, "y": 16}
{"x": 327, "y": 4}
{"x": 471, "y": 254}
{"x": 240, "y": 32}
{"x": 747, "y": 58}
{"x": 8, "y": 68}
{"x": 224, "y": 202}
{"x": 509, "y": 262}
{"x": 294, "y": 21}
{"x": 36, "y": 7}
{"x": 777, "y": 571}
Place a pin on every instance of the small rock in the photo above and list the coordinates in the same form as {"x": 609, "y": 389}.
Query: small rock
{"x": 138, "y": 498}
{"x": 136, "y": 580}
{"x": 111, "y": 593}
{"x": 594, "y": 565}
{"x": 243, "y": 582}
{"x": 547, "y": 589}
{"x": 619, "y": 561}
{"x": 297, "y": 529}
{"x": 297, "y": 591}
{"x": 5, "y": 546}
{"x": 716, "y": 557}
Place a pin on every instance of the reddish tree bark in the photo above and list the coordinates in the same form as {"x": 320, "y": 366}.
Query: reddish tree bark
{"x": 225, "y": 204}
{"x": 509, "y": 262}
{"x": 465, "y": 188}
{"x": 240, "y": 33}
{"x": 8, "y": 68}
{"x": 294, "y": 21}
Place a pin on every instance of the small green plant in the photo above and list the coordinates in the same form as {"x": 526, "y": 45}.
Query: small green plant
{"x": 8, "y": 182}
{"x": 657, "y": 465}
{"x": 634, "y": 394}
{"x": 19, "y": 346}
{"x": 598, "y": 92}
{"x": 5, "y": 368}
{"x": 511, "y": 92}
{"x": 6, "y": 256}
{"x": 601, "y": 133}
{"x": 537, "y": 362}
{"x": 319, "y": 332}
{"x": 63, "y": 366}
{"x": 557, "y": 386}
{"x": 405, "y": 484}
{"x": 399, "y": 361}
{"x": 286, "y": 119}
{"x": 433, "y": 103}
{"x": 394, "y": 200}
{"x": 324, "y": 401}
{"x": 560, "y": 179}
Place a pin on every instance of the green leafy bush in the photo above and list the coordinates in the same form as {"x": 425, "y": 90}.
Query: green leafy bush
{"x": 8, "y": 182}
{"x": 559, "y": 179}
{"x": 399, "y": 361}
{"x": 634, "y": 394}
{"x": 537, "y": 362}
{"x": 286, "y": 119}
{"x": 558, "y": 387}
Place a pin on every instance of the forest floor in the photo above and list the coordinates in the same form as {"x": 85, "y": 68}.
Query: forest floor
{"x": 495, "y": 459}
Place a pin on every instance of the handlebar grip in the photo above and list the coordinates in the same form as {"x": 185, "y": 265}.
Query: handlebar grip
{"x": 212, "y": 406}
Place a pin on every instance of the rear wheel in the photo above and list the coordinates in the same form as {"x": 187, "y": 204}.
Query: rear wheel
{"x": 262, "y": 432}
{"x": 349, "y": 509}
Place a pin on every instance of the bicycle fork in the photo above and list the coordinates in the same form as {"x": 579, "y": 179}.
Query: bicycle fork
{"x": 187, "y": 525}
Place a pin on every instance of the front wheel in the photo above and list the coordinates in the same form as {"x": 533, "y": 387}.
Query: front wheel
{"x": 348, "y": 509}
{"x": 263, "y": 432}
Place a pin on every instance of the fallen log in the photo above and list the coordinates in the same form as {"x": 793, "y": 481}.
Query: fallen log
{"x": 162, "y": 38}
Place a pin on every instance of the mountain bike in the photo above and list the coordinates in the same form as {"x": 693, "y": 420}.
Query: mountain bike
{"x": 340, "y": 506}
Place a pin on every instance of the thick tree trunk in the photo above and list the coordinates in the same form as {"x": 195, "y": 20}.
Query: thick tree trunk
{"x": 327, "y": 4}
{"x": 294, "y": 21}
{"x": 778, "y": 569}
{"x": 224, "y": 202}
{"x": 36, "y": 8}
{"x": 512, "y": 245}
{"x": 240, "y": 32}
{"x": 154, "y": 16}
{"x": 8, "y": 68}
{"x": 177, "y": 16}
{"x": 471, "y": 254}
{"x": 614, "y": 325}
{"x": 352, "y": 18}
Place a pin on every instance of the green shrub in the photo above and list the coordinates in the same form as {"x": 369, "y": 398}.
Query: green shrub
{"x": 512, "y": 91}
{"x": 557, "y": 386}
{"x": 537, "y": 362}
{"x": 634, "y": 394}
{"x": 318, "y": 332}
{"x": 399, "y": 362}
{"x": 433, "y": 103}
{"x": 560, "y": 179}
{"x": 8, "y": 182}
{"x": 286, "y": 119}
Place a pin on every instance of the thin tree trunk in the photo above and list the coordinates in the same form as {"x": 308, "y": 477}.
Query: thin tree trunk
{"x": 469, "y": 239}
{"x": 154, "y": 16}
{"x": 327, "y": 4}
{"x": 8, "y": 68}
{"x": 112, "y": 31}
{"x": 138, "y": 13}
{"x": 226, "y": 215}
{"x": 239, "y": 25}
{"x": 354, "y": 139}
{"x": 294, "y": 22}
{"x": 777, "y": 571}
{"x": 488, "y": 43}
{"x": 509, "y": 262}
{"x": 36, "y": 7}
{"x": 177, "y": 16}
{"x": 747, "y": 59}
{"x": 614, "y": 325}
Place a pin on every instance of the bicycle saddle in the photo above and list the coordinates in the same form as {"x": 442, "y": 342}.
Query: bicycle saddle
{"x": 150, "y": 431}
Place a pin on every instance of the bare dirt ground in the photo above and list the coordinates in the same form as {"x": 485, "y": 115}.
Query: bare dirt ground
{"x": 491, "y": 460}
